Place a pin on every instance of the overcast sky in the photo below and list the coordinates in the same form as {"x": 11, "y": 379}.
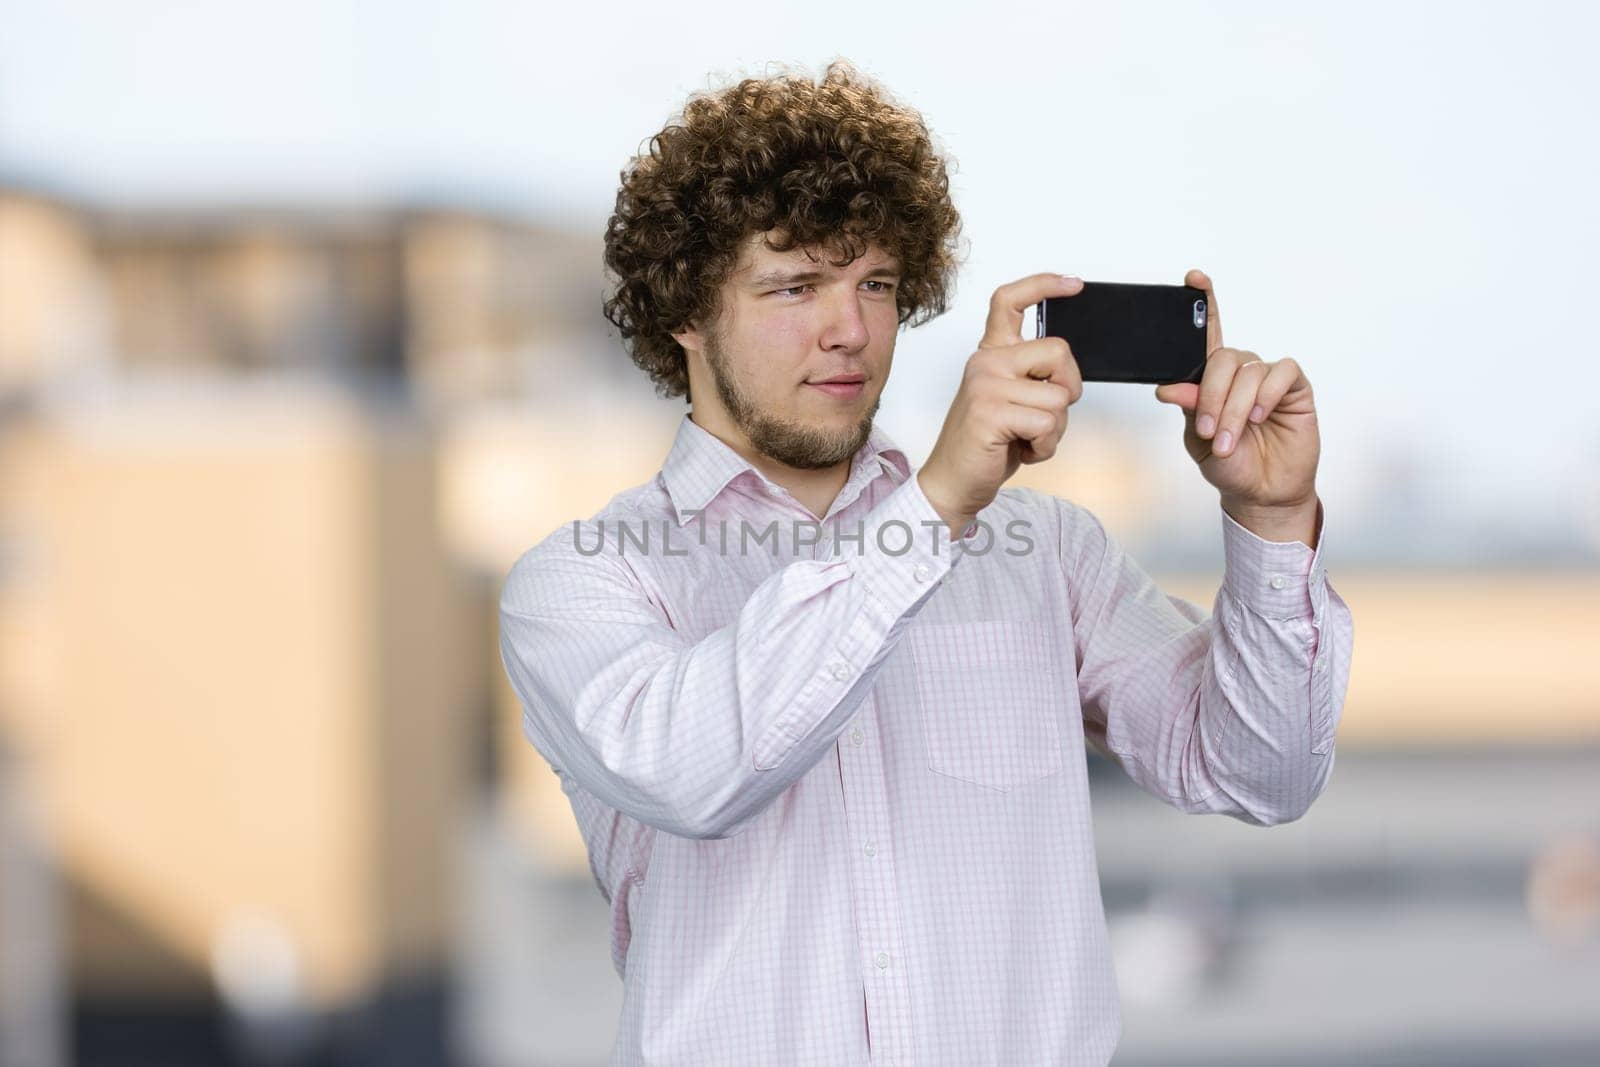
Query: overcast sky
{"x": 1401, "y": 197}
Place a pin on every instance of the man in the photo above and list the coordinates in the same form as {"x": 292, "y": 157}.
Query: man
{"x": 833, "y": 785}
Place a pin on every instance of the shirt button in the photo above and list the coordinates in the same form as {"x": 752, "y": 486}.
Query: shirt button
{"x": 841, "y": 671}
{"x": 922, "y": 573}
{"x": 1278, "y": 581}
{"x": 855, "y": 736}
{"x": 882, "y": 960}
{"x": 870, "y": 849}
{"x": 1322, "y": 662}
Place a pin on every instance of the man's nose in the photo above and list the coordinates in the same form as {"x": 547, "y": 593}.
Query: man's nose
{"x": 846, "y": 326}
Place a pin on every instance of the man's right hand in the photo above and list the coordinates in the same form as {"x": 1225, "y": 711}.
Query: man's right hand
{"x": 1011, "y": 407}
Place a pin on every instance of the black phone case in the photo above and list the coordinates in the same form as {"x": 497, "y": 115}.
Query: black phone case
{"x": 1121, "y": 332}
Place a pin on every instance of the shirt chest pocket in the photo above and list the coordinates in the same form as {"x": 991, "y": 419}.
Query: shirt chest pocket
{"x": 991, "y": 701}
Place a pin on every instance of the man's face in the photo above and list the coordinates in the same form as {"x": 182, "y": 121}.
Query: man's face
{"x": 787, "y": 324}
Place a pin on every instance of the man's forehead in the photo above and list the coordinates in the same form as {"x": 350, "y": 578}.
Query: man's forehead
{"x": 756, "y": 255}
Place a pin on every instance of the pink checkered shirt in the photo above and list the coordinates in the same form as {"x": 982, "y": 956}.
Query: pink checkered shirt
{"x": 833, "y": 789}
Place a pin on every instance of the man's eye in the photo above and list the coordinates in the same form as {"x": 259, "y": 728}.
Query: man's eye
{"x": 883, "y": 287}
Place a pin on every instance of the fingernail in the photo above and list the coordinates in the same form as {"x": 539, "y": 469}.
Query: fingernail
{"x": 1257, "y": 413}
{"x": 1071, "y": 278}
{"x": 1206, "y": 425}
{"x": 1224, "y": 439}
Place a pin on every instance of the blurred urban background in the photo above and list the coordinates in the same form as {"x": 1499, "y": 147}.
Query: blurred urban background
{"x": 301, "y": 347}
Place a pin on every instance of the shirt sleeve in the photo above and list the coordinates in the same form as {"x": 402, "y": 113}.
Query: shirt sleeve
{"x": 697, "y": 737}
{"x": 1232, "y": 712}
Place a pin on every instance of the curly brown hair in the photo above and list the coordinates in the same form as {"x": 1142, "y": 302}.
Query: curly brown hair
{"x": 835, "y": 165}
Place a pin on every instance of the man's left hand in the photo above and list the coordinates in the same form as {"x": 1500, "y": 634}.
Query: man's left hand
{"x": 1251, "y": 425}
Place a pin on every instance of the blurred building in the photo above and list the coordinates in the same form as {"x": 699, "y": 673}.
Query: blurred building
{"x": 261, "y": 475}
{"x": 465, "y": 307}
{"x": 245, "y": 657}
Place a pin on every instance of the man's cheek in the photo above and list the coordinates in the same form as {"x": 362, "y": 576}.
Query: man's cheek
{"x": 789, "y": 333}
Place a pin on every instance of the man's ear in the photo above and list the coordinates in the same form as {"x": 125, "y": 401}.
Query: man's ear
{"x": 689, "y": 337}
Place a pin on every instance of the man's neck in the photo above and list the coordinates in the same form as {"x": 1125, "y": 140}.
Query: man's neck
{"x": 815, "y": 489}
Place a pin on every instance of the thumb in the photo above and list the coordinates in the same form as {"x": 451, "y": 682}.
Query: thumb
{"x": 1184, "y": 394}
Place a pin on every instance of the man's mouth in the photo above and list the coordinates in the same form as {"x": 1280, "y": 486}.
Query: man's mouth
{"x": 844, "y": 386}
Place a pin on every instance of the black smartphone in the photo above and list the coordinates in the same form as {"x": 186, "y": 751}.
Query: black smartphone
{"x": 1121, "y": 332}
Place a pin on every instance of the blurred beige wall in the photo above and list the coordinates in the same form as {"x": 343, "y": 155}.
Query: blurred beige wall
{"x": 1472, "y": 658}
{"x": 248, "y": 676}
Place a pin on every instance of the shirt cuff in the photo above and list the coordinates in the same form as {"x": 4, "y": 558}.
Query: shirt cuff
{"x": 1275, "y": 579}
{"x": 901, "y": 550}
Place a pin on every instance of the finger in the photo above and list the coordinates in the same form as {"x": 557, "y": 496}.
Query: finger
{"x": 1039, "y": 449}
{"x": 1283, "y": 375}
{"x": 1024, "y": 422}
{"x": 1044, "y": 395}
{"x": 1004, "y": 326}
{"x": 1242, "y": 395}
{"x": 1050, "y": 359}
{"x": 1201, "y": 280}
{"x": 1183, "y": 394}
{"x": 1215, "y": 385}
{"x": 1047, "y": 359}
{"x": 1042, "y": 446}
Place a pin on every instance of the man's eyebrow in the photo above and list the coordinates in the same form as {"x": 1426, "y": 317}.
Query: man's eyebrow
{"x": 787, "y": 277}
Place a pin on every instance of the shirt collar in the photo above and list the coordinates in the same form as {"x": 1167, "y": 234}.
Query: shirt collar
{"x": 700, "y": 465}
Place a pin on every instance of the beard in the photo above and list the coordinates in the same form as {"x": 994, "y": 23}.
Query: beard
{"x": 794, "y": 444}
